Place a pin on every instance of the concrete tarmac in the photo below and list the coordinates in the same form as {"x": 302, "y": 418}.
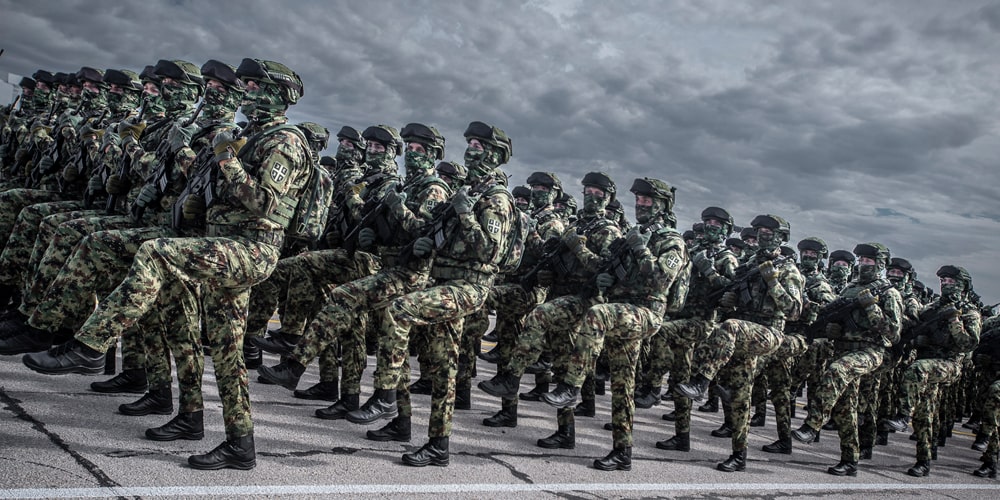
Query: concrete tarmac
{"x": 58, "y": 439}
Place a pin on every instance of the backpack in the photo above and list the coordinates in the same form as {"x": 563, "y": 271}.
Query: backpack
{"x": 308, "y": 219}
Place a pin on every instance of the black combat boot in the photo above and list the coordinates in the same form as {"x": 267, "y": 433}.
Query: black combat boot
{"x": 252, "y": 357}
{"x": 586, "y": 408}
{"x": 782, "y": 446}
{"x": 506, "y": 417}
{"x": 157, "y": 401}
{"x": 381, "y": 405}
{"x": 129, "y": 381}
{"x": 535, "y": 394}
{"x": 71, "y": 357}
{"x": 805, "y": 434}
{"x": 282, "y": 344}
{"x": 736, "y": 462}
{"x": 435, "y": 452}
{"x": 564, "y": 438}
{"x": 724, "y": 431}
{"x": 758, "y": 420}
{"x": 321, "y": 391}
{"x": 711, "y": 406}
{"x": 988, "y": 469}
{"x": 618, "y": 459}
{"x": 981, "y": 441}
{"x": 670, "y": 417}
{"x": 695, "y": 389}
{"x": 398, "y": 429}
{"x": 233, "y": 453}
{"x": 538, "y": 367}
{"x": 189, "y": 426}
{"x": 502, "y": 385}
{"x": 562, "y": 397}
{"x": 340, "y": 409}
{"x": 897, "y": 423}
{"x": 865, "y": 453}
{"x": 920, "y": 469}
{"x": 680, "y": 442}
{"x": 421, "y": 386}
{"x": 649, "y": 398}
{"x": 286, "y": 373}
{"x": 829, "y": 426}
{"x": 463, "y": 396}
{"x": 29, "y": 339}
{"x": 882, "y": 438}
{"x": 491, "y": 356}
{"x": 844, "y": 468}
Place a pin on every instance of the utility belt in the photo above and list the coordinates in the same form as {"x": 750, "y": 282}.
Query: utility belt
{"x": 267, "y": 237}
{"x": 771, "y": 321}
{"x": 852, "y": 345}
{"x": 441, "y": 273}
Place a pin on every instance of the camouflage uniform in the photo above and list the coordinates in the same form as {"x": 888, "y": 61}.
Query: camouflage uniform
{"x": 633, "y": 312}
{"x": 859, "y": 349}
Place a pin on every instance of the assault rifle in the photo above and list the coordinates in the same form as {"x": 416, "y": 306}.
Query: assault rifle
{"x": 927, "y": 327}
{"x": 439, "y": 228}
{"x": 552, "y": 259}
{"x": 370, "y": 212}
{"x": 742, "y": 282}
{"x": 840, "y": 311}
{"x": 198, "y": 184}
{"x": 615, "y": 264}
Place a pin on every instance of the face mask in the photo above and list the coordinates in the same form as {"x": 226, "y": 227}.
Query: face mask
{"x": 541, "y": 199}
{"x": 480, "y": 163}
{"x": 643, "y": 213}
{"x": 383, "y": 162}
{"x": 417, "y": 163}
{"x": 348, "y": 157}
{"x": 123, "y": 103}
{"x": 840, "y": 274}
{"x": 41, "y": 98}
{"x": 715, "y": 234}
{"x": 868, "y": 273}
{"x": 809, "y": 263}
{"x": 594, "y": 204}
{"x": 951, "y": 294}
{"x": 768, "y": 242}
{"x": 154, "y": 105}
{"x": 93, "y": 100}
{"x": 221, "y": 104}
{"x": 522, "y": 204}
{"x": 179, "y": 97}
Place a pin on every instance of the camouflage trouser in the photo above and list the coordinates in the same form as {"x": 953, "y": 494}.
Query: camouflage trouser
{"x": 683, "y": 335}
{"x": 470, "y": 343}
{"x": 558, "y": 321}
{"x": 166, "y": 270}
{"x": 621, "y": 329}
{"x": 444, "y": 306}
{"x": 17, "y": 251}
{"x": 337, "y": 320}
{"x": 920, "y": 393}
{"x": 811, "y": 366}
{"x": 837, "y": 395}
{"x": 655, "y": 359}
{"x": 991, "y": 419}
{"x": 778, "y": 372}
{"x": 58, "y": 237}
{"x": 13, "y": 200}
{"x": 870, "y": 390}
{"x": 512, "y": 304}
{"x": 737, "y": 345}
{"x": 298, "y": 288}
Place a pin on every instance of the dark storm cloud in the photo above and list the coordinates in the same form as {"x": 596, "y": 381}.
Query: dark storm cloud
{"x": 824, "y": 113}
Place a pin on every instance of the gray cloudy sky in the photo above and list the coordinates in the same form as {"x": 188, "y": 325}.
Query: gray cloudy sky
{"x": 855, "y": 120}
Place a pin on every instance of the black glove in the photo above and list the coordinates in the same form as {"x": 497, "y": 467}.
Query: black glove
{"x": 423, "y": 246}
{"x": 194, "y": 208}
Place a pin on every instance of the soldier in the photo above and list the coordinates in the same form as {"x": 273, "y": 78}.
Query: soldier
{"x": 576, "y": 260}
{"x": 522, "y": 197}
{"x": 452, "y": 174}
{"x": 258, "y": 192}
{"x": 770, "y": 294}
{"x": 948, "y": 329}
{"x": 712, "y": 267}
{"x": 779, "y": 369}
{"x": 869, "y": 324}
{"x": 841, "y": 269}
{"x": 465, "y": 263}
{"x": 514, "y": 299}
{"x": 639, "y": 292}
{"x": 987, "y": 358}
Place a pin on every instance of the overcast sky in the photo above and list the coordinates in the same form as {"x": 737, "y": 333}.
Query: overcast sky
{"x": 856, "y": 121}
